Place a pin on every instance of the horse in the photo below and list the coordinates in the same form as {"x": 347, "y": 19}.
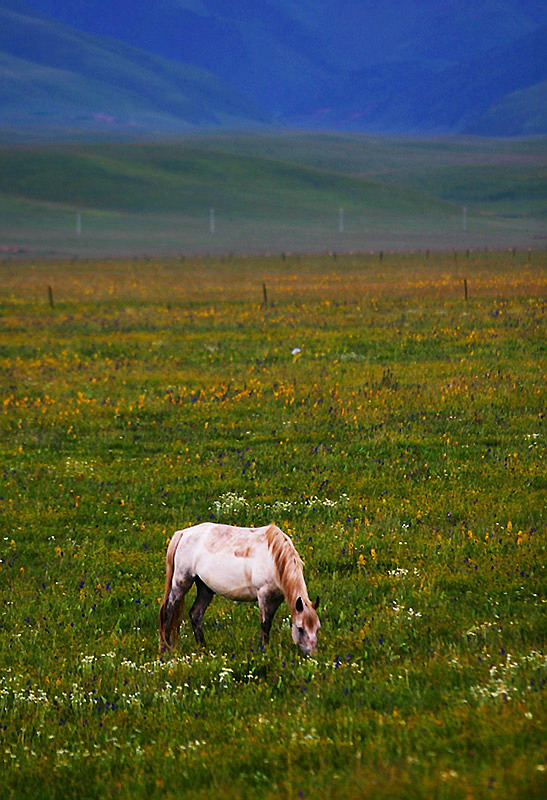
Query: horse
{"x": 242, "y": 564}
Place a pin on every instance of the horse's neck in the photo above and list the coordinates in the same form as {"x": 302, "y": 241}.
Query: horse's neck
{"x": 288, "y": 567}
{"x": 293, "y": 592}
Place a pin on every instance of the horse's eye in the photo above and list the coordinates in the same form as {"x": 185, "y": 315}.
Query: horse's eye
{"x": 300, "y": 630}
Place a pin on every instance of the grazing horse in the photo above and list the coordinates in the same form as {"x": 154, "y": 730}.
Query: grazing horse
{"x": 252, "y": 564}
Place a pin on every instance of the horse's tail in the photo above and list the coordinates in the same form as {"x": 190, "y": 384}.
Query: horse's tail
{"x": 169, "y": 632}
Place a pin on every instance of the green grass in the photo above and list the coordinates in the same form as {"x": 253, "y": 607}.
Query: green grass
{"x": 165, "y": 179}
{"x": 402, "y": 449}
{"x": 272, "y": 193}
{"x": 479, "y": 172}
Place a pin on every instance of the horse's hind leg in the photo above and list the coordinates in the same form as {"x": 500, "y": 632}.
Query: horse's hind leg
{"x": 171, "y": 615}
{"x": 203, "y": 598}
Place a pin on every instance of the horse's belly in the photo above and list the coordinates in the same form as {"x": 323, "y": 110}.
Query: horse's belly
{"x": 232, "y": 578}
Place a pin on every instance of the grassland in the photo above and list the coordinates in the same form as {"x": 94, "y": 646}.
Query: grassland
{"x": 272, "y": 193}
{"x": 392, "y": 428}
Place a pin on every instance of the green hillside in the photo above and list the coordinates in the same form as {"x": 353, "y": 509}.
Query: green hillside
{"x": 296, "y": 192}
{"x": 495, "y": 176}
{"x": 522, "y": 113}
{"x": 55, "y": 79}
{"x": 178, "y": 178}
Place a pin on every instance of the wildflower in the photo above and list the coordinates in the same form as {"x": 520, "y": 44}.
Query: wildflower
{"x": 228, "y": 504}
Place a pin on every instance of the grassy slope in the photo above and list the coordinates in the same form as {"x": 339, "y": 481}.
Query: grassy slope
{"x": 472, "y": 170}
{"x": 274, "y": 191}
{"x": 522, "y": 113}
{"x": 181, "y": 178}
{"x": 52, "y": 74}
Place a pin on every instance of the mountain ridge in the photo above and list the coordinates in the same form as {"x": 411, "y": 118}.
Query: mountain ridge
{"x": 54, "y": 75}
{"x": 402, "y": 67}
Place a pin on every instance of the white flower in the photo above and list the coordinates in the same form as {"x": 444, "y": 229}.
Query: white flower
{"x": 229, "y": 503}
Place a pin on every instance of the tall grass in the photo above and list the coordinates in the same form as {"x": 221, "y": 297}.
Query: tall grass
{"x": 393, "y": 429}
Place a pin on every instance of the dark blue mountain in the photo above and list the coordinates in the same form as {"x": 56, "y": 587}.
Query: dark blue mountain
{"x": 398, "y": 65}
{"x": 55, "y": 78}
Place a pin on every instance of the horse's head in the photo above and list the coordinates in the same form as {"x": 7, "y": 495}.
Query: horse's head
{"x": 305, "y": 625}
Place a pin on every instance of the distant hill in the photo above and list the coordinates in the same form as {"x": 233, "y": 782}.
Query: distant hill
{"x": 522, "y": 113}
{"x": 54, "y": 77}
{"x": 273, "y": 191}
{"x": 451, "y": 97}
{"x": 183, "y": 178}
{"x": 399, "y": 66}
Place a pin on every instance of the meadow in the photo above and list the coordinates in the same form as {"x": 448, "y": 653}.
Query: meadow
{"x": 392, "y": 427}
{"x": 271, "y": 193}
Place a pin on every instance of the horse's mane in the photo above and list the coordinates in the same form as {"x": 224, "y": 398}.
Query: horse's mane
{"x": 287, "y": 562}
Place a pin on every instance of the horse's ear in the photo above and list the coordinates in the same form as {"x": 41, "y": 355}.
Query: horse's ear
{"x": 299, "y": 605}
{"x": 316, "y": 604}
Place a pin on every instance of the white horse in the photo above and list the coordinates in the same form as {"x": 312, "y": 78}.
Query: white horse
{"x": 249, "y": 564}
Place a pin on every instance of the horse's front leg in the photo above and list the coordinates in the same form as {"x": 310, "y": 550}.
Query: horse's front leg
{"x": 203, "y": 598}
{"x": 268, "y": 605}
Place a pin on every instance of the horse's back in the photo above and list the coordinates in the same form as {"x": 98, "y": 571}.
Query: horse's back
{"x": 215, "y": 537}
{"x": 232, "y": 561}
